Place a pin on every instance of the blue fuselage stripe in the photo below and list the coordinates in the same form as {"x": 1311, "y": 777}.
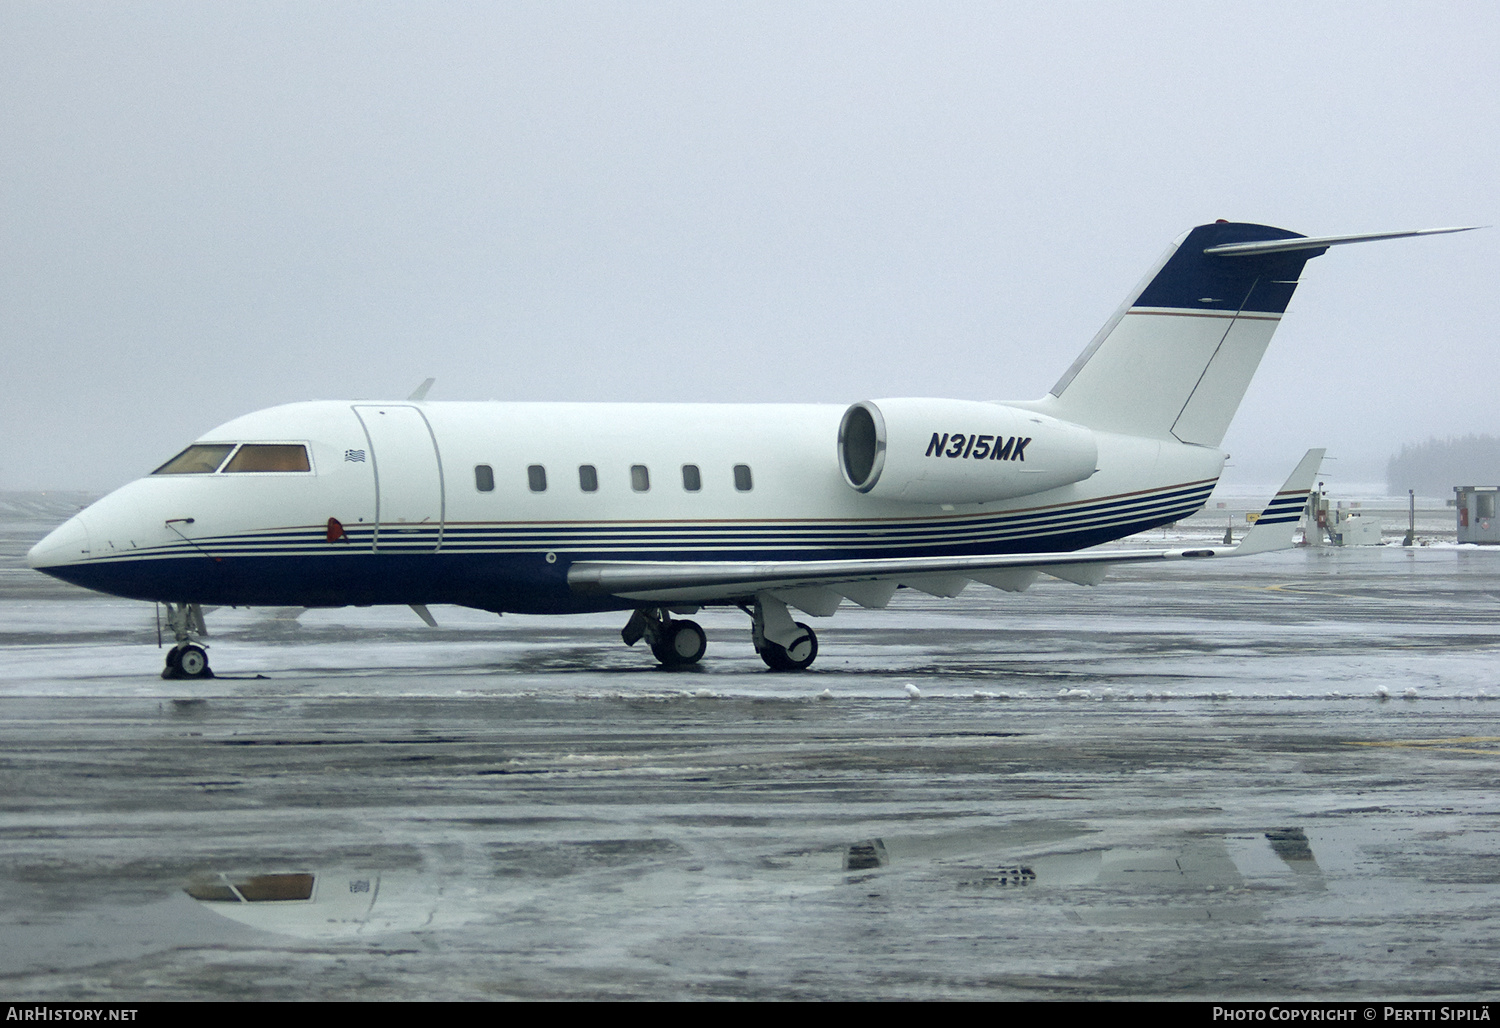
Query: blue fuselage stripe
{"x": 503, "y": 566}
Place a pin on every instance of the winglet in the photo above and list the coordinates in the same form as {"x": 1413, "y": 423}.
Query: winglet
{"x": 1274, "y": 528}
{"x": 420, "y": 393}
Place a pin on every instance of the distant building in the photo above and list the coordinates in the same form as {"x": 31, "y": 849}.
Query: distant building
{"x": 1476, "y": 513}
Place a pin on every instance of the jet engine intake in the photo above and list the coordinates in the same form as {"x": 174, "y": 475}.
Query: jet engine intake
{"x": 959, "y": 451}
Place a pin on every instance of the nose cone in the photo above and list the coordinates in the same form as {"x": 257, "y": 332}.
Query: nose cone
{"x": 68, "y": 543}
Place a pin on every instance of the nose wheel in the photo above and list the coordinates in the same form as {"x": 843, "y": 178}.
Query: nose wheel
{"x": 186, "y": 659}
{"x": 190, "y": 661}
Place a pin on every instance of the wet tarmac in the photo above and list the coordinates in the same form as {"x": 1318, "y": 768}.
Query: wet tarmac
{"x": 1268, "y": 778}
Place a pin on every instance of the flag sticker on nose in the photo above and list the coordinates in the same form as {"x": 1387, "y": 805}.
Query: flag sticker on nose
{"x": 358, "y": 456}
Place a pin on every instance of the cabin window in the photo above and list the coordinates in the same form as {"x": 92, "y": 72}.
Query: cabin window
{"x": 198, "y": 459}
{"x": 640, "y": 478}
{"x": 742, "y": 480}
{"x": 588, "y": 478}
{"x": 269, "y": 457}
{"x": 692, "y": 481}
{"x": 484, "y": 478}
{"x": 1484, "y": 505}
{"x": 536, "y": 477}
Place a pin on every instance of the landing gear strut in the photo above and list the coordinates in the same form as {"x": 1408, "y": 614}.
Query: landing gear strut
{"x": 676, "y": 643}
{"x": 187, "y": 658}
{"x": 783, "y": 644}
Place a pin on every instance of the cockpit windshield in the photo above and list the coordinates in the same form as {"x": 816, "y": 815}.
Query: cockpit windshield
{"x": 269, "y": 457}
{"x": 198, "y": 459}
{"x": 206, "y": 458}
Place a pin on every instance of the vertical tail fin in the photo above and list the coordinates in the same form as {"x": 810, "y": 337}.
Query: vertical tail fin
{"x": 1176, "y": 359}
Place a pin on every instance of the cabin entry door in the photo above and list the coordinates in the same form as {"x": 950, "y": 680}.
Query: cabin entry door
{"x": 408, "y": 478}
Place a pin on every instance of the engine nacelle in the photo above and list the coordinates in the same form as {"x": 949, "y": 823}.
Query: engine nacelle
{"x": 959, "y": 451}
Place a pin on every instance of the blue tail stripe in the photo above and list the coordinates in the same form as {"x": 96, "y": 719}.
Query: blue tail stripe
{"x": 1191, "y": 280}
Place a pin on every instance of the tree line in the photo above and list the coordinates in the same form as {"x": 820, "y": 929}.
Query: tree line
{"x": 1433, "y": 468}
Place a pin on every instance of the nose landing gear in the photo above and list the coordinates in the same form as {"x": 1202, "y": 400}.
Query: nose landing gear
{"x": 186, "y": 659}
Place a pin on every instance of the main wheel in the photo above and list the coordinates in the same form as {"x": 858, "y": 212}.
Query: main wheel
{"x": 192, "y": 662}
{"x": 796, "y": 657}
{"x": 683, "y": 643}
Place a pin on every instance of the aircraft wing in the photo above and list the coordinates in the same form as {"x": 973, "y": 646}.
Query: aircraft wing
{"x": 818, "y": 586}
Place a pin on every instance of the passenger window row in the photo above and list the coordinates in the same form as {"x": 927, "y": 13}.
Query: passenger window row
{"x": 588, "y": 478}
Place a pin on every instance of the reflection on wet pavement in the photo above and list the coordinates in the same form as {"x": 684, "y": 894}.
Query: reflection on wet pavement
{"x": 741, "y": 848}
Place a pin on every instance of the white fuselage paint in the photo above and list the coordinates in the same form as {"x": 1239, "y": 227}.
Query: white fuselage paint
{"x": 400, "y": 478}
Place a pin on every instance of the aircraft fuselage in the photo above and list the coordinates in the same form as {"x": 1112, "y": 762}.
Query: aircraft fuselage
{"x": 489, "y": 504}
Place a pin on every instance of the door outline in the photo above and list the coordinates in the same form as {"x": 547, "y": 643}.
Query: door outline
{"x": 437, "y": 454}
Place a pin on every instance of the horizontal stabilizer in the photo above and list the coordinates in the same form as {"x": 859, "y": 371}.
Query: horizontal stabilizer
{"x": 1321, "y": 242}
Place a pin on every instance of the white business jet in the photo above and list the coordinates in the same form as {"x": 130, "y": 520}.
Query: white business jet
{"x": 662, "y": 509}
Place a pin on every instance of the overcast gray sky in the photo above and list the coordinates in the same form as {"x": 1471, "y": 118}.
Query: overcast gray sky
{"x": 210, "y": 208}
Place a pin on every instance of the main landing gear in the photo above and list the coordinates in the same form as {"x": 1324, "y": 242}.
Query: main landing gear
{"x": 187, "y": 658}
{"x": 676, "y": 643}
{"x": 784, "y": 644}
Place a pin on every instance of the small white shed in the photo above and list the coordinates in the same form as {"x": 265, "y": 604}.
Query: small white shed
{"x": 1476, "y": 513}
